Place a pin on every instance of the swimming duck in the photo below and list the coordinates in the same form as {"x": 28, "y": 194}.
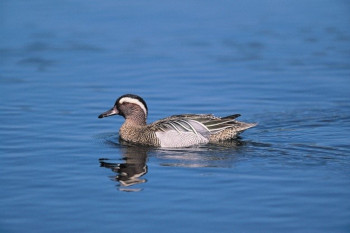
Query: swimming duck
{"x": 174, "y": 131}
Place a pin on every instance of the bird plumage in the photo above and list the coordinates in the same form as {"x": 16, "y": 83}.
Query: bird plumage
{"x": 174, "y": 131}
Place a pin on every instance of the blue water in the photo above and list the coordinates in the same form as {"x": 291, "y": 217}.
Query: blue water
{"x": 282, "y": 64}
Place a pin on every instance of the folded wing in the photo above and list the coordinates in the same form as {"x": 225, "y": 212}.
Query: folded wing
{"x": 191, "y": 129}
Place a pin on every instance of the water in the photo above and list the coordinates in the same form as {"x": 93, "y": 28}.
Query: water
{"x": 283, "y": 64}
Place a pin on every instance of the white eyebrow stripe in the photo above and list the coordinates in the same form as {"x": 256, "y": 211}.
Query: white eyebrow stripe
{"x": 134, "y": 101}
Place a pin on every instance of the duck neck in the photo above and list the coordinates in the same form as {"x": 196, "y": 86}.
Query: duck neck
{"x": 136, "y": 119}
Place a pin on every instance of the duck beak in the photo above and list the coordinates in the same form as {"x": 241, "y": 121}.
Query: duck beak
{"x": 111, "y": 112}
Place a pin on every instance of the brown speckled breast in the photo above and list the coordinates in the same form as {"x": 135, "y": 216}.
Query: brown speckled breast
{"x": 138, "y": 134}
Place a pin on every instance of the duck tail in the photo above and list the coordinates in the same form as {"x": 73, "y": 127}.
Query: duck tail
{"x": 243, "y": 126}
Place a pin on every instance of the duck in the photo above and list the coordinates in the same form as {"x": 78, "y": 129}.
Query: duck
{"x": 183, "y": 130}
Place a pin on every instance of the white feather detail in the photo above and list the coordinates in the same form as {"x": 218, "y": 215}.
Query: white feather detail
{"x": 173, "y": 138}
{"x": 134, "y": 101}
{"x": 182, "y": 133}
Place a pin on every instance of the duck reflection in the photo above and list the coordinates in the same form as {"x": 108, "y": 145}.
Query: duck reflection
{"x": 220, "y": 155}
{"x": 131, "y": 171}
{"x": 133, "y": 167}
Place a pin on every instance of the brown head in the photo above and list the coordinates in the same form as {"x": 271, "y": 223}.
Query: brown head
{"x": 131, "y": 107}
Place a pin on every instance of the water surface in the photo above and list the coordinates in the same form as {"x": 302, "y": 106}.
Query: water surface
{"x": 282, "y": 64}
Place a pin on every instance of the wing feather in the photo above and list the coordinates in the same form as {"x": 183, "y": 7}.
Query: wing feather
{"x": 199, "y": 124}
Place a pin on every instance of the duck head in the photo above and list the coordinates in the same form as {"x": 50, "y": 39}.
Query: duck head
{"x": 129, "y": 106}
